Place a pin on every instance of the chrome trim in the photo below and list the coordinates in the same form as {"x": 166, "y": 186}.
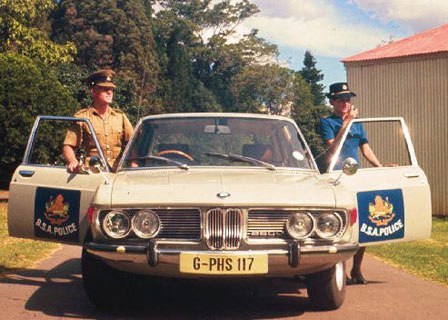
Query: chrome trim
{"x": 270, "y": 224}
{"x": 165, "y": 257}
{"x": 224, "y": 228}
{"x": 252, "y": 225}
{"x": 175, "y": 223}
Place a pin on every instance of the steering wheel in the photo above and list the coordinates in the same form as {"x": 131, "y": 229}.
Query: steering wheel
{"x": 178, "y": 152}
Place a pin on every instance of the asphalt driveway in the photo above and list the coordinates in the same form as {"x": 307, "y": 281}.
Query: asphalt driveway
{"x": 53, "y": 290}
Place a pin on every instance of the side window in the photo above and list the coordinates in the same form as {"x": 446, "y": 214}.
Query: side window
{"x": 47, "y": 142}
{"x": 388, "y": 139}
{"x": 48, "y": 137}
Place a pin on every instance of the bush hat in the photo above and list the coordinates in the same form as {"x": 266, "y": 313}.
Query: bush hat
{"x": 340, "y": 90}
{"x": 102, "y": 78}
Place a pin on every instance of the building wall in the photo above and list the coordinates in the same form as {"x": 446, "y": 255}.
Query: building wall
{"x": 415, "y": 88}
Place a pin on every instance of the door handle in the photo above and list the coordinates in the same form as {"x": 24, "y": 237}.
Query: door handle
{"x": 26, "y": 173}
{"x": 411, "y": 174}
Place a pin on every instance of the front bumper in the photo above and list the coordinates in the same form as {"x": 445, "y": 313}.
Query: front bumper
{"x": 162, "y": 258}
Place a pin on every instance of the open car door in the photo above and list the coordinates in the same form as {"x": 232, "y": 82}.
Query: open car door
{"x": 394, "y": 201}
{"x": 47, "y": 202}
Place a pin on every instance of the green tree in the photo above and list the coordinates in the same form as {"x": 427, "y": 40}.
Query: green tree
{"x": 27, "y": 89}
{"x": 24, "y": 29}
{"x": 201, "y": 53}
{"x": 73, "y": 76}
{"x": 219, "y": 17}
{"x": 264, "y": 88}
{"x": 116, "y": 34}
{"x": 307, "y": 115}
{"x": 221, "y": 61}
{"x": 179, "y": 89}
{"x": 313, "y": 77}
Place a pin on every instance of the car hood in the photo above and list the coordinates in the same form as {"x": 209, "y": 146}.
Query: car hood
{"x": 204, "y": 187}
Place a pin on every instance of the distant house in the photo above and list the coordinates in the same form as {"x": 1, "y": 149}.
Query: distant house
{"x": 409, "y": 78}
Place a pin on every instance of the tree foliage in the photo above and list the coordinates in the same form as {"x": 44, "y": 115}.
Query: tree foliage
{"x": 199, "y": 61}
{"x": 313, "y": 77}
{"x": 169, "y": 56}
{"x": 264, "y": 88}
{"x": 114, "y": 34}
{"x": 24, "y": 30}
{"x": 27, "y": 89}
{"x": 307, "y": 115}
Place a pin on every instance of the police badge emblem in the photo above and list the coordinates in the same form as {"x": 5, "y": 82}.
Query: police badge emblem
{"x": 381, "y": 215}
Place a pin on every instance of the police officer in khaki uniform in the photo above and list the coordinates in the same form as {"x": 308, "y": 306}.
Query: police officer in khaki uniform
{"x": 112, "y": 128}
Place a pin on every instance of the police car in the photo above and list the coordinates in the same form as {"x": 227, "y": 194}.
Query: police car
{"x": 220, "y": 196}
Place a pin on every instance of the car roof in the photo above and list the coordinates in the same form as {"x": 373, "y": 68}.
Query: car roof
{"x": 218, "y": 114}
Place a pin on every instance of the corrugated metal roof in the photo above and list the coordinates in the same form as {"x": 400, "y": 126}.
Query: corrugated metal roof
{"x": 430, "y": 41}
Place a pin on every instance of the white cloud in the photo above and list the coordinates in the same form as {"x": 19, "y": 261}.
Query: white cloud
{"x": 316, "y": 25}
{"x": 418, "y": 15}
{"x": 295, "y": 9}
{"x": 337, "y": 29}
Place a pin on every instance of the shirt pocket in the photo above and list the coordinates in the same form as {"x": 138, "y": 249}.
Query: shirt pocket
{"x": 117, "y": 133}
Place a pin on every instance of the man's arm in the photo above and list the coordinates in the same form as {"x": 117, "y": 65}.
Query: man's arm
{"x": 334, "y": 143}
{"x": 70, "y": 157}
{"x": 370, "y": 156}
{"x": 72, "y": 140}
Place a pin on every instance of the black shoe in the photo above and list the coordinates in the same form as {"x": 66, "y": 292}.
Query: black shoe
{"x": 357, "y": 279}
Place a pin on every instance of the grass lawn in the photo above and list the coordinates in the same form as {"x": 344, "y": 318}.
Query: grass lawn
{"x": 427, "y": 259}
{"x": 18, "y": 253}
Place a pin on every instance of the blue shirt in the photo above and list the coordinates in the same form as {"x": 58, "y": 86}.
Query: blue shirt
{"x": 329, "y": 128}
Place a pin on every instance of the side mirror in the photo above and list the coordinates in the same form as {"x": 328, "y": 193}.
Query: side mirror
{"x": 95, "y": 164}
{"x": 350, "y": 166}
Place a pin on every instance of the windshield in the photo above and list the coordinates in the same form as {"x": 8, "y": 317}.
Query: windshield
{"x": 185, "y": 142}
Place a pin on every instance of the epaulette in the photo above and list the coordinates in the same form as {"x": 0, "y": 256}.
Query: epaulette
{"x": 82, "y": 111}
{"x": 117, "y": 110}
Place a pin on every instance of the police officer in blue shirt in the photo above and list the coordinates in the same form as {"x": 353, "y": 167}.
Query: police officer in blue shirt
{"x": 332, "y": 130}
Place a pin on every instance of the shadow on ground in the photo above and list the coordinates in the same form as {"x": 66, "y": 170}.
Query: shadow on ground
{"x": 60, "y": 293}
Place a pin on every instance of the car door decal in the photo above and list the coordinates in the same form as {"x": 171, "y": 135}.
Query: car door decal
{"x": 381, "y": 215}
{"x": 56, "y": 214}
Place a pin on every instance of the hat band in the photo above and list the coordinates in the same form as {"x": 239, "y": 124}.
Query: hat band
{"x": 340, "y": 92}
{"x": 102, "y": 79}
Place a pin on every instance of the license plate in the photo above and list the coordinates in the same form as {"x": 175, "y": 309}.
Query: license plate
{"x": 199, "y": 263}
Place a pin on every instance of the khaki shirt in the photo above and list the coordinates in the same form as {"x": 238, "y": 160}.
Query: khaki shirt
{"x": 113, "y": 133}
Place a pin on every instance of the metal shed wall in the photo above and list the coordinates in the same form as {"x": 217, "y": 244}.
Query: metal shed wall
{"x": 415, "y": 88}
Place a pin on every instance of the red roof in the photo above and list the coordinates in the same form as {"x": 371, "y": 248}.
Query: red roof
{"x": 430, "y": 41}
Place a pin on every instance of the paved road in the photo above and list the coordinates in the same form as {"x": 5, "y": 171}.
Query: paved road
{"x": 53, "y": 290}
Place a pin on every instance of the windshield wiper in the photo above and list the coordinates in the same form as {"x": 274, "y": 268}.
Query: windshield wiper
{"x": 238, "y": 157}
{"x": 178, "y": 164}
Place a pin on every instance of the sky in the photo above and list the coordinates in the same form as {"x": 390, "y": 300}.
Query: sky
{"x": 335, "y": 29}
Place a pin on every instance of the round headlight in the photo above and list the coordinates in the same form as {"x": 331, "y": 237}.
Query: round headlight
{"x": 328, "y": 225}
{"x": 300, "y": 225}
{"x": 145, "y": 224}
{"x": 116, "y": 224}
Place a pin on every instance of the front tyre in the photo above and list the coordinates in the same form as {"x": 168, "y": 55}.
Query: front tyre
{"x": 326, "y": 289}
{"x": 105, "y": 286}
